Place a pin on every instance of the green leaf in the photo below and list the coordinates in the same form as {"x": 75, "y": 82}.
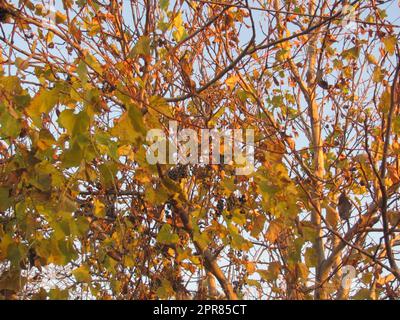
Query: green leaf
{"x": 165, "y": 236}
{"x": 164, "y": 4}
{"x": 99, "y": 208}
{"x": 5, "y": 200}
{"x": 82, "y": 72}
{"x": 67, "y": 120}
{"x": 108, "y": 172}
{"x": 10, "y": 126}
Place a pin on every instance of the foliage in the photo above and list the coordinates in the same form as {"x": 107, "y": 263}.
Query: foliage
{"x": 84, "y": 215}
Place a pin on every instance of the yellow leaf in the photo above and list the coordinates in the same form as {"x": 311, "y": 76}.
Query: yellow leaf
{"x": 126, "y": 150}
{"x": 390, "y": 44}
{"x": 250, "y": 267}
{"x": 378, "y": 75}
{"x": 171, "y": 252}
{"x": 60, "y": 18}
{"x": 232, "y": 81}
{"x": 332, "y": 216}
{"x": 99, "y": 208}
{"x": 371, "y": 59}
{"x": 273, "y": 231}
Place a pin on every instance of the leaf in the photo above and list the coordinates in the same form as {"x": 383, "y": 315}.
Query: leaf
{"x": 394, "y": 217}
{"x": 282, "y": 55}
{"x": 332, "y": 216}
{"x": 92, "y": 62}
{"x": 311, "y": 257}
{"x": 232, "y": 81}
{"x": 11, "y": 280}
{"x": 371, "y": 59}
{"x": 82, "y": 274}
{"x": 82, "y": 72}
{"x": 180, "y": 33}
{"x": 362, "y": 294}
{"x": 378, "y": 75}
{"x": 129, "y": 127}
{"x": 108, "y": 172}
{"x": 43, "y": 102}
{"x": 46, "y": 139}
{"x": 74, "y": 123}
{"x": 161, "y": 105}
{"x": 5, "y": 200}
{"x": 237, "y": 240}
{"x": 5, "y": 242}
{"x": 271, "y": 273}
{"x": 390, "y": 44}
{"x": 165, "y": 290}
{"x": 10, "y": 126}
{"x": 165, "y": 236}
{"x": 142, "y": 46}
{"x": 352, "y": 53}
{"x": 21, "y": 63}
{"x": 258, "y": 226}
{"x": 60, "y": 18}
{"x": 67, "y": 120}
{"x": 384, "y": 103}
{"x": 99, "y": 208}
{"x": 238, "y": 217}
{"x": 273, "y": 231}
{"x": 250, "y": 267}
{"x": 127, "y": 151}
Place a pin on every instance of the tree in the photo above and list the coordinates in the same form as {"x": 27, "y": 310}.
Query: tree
{"x": 84, "y": 214}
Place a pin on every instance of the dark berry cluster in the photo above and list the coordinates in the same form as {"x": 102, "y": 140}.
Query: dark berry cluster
{"x": 178, "y": 172}
{"x": 220, "y": 206}
{"x": 4, "y": 14}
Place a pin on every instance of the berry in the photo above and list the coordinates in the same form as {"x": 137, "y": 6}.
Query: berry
{"x": 178, "y": 172}
{"x": 4, "y": 14}
{"x": 220, "y": 206}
